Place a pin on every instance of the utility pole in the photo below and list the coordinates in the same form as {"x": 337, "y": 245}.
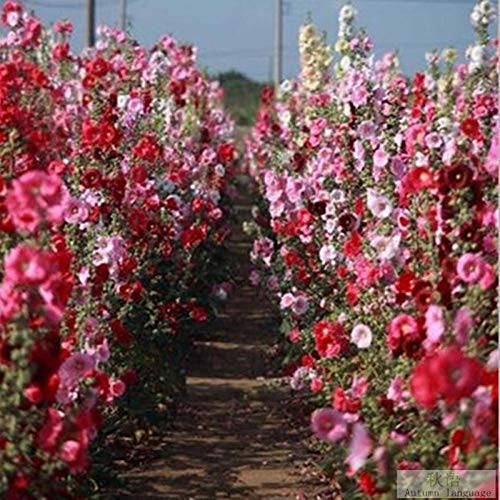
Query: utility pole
{"x": 278, "y": 45}
{"x": 123, "y": 14}
{"x": 90, "y": 24}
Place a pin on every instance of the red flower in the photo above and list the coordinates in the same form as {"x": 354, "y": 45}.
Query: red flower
{"x": 367, "y": 483}
{"x": 470, "y": 127}
{"x": 225, "y": 152}
{"x": 352, "y": 246}
{"x": 330, "y": 338}
{"x": 449, "y": 375}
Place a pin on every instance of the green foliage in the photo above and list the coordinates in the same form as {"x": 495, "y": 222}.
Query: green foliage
{"x": 242, "y": 96}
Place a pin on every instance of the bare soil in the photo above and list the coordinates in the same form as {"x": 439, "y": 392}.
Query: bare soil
{"x": 233, "y": 435}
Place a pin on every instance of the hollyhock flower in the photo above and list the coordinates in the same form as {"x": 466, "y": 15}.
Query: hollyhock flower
{"x": 387, "y": 247}
{"x": 397, "y": 392}
{"x": 254, "y": 278}
{"x": 328, "y": 425}
{"x": 403, "y": 333}
{"x": 463, "y": 323}
{"x": 300, "y": 305}
{"x": 316, "y": 385}
{"x": 329, "y": 337}
{"x": 49, "y": 434}
{"x": 434, "y": 323}
{"x": 25, "y": 265}
{"x": 380, "y": 158}
{"x": 470, "y": 268}
{"x": 76, "y": 211}
{"x": 35, "y": 197}
{"x": 360, "y": 448}
{"x": 378, "y": 204}
{"x": 75, "y": 368}
{"x": 448, "y": 374}
{"x": 327, "y": 254}
{"x": 361, "y": 336}
{"x": 359, "y": 386}
{"x": 287, "y": 300}
{"x": 489, "y": 276}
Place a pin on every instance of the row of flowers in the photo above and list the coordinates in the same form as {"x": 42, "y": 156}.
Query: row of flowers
{"x": 115, "y": 171}
{"x": 376, "y": 234}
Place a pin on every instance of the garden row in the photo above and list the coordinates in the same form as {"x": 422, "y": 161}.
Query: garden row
{"x": 376, "y": 234}
{"x": 115, "y": 170}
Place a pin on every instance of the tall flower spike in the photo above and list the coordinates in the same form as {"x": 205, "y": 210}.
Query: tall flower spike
{"x": 315, "y": 57}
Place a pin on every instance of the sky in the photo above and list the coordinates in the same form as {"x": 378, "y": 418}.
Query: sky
{"x": 239, "y": 34}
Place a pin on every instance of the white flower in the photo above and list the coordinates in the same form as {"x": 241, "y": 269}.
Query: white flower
{"x": 327, "y": 254}
{"x": 361, "y": 336}
{"x": 378, "y": 204}
{"x": 347, "y": 13}
{"x": 345, "y": 63}
{"x": 485, "y": 8}
{"x": 387, "y": 247}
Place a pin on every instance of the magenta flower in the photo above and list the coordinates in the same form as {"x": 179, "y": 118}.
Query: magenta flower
{"x": 328, "y": 425}
{"x": 74, "y": 369}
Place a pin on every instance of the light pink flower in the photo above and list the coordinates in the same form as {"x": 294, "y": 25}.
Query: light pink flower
{"x": 360, "y": 448}
{"x": 328, "y": 425}
{"x": 434, "y": 323}
{"x": 379, "y": 205}
{"x": 361, "y": 336}
{"x": 380, "y": 158}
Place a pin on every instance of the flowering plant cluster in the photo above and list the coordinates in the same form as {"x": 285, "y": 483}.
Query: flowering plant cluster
{"x": 115, "y": 169}
{"x": 376, "y": 235}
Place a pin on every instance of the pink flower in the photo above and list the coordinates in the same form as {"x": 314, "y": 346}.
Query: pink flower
{"x": 35, "y": 197}
{"x": 328, "y": 425}
{"x": 26, "y": 265}
{"x": 70, "y": 450}
{"x": 380, "y": 158}
{"x": 359, "y": 386}
{"x": 470, "y": 268}
{"x": 360, "y": 448}
{"x": 286, "y": 301}
{"x": 74, "y": 369}
{"x": 463, "y": 323}
{"x": 397, "y": 393}
{"x": 361, "y": 336}
{"x": 404, "y": 334}
{"x": 76, "y": 211}
{"x": 316, "y": 384}
{"x": 434, "y": 323}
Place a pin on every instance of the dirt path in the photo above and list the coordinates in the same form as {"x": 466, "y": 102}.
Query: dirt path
{"x": 229, "y": 439}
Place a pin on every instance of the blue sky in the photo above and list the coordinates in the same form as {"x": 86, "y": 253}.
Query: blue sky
{"x": 238, "y": 34}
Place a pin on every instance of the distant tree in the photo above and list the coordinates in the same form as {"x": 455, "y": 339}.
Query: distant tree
{"x": 242, "y": 96}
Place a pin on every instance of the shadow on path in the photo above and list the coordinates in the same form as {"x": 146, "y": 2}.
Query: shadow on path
{"x": 229, "y": 438}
